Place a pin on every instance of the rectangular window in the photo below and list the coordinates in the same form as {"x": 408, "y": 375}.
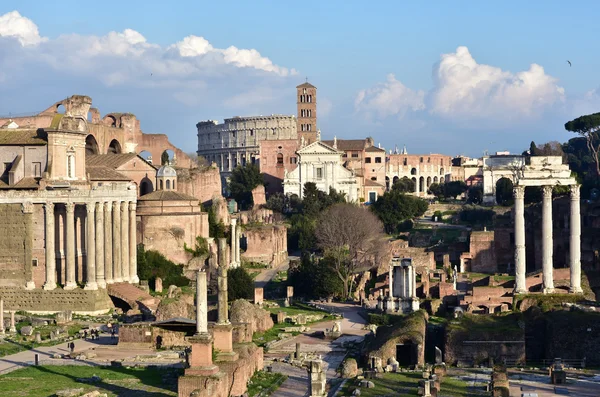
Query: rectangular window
{"x": 368, "y": 160}
{"x": 429, "y": 159}
{"x": 372, "y": 197}
{"x": 319, "y": 173}
{"x": 354, "y": 155}
{"x": 405, "y": 161}
{"x": 34, "y": 262}
{"x": 293, "y": 160}
{"x": 421, "y": 159}
{"x": 378, "y": 160}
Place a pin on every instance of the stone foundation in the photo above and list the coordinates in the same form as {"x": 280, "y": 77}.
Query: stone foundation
{"x": 39, "y": 301}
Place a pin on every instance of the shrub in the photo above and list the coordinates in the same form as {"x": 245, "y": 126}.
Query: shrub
{"x": 152, "y": 264}
{"x": 239, "y": 284}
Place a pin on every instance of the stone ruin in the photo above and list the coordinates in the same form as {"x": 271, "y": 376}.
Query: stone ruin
{"x": 317, "y": 379}
{"x": 558, "y": 375}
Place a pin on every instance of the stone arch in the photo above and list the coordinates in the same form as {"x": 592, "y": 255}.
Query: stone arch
{"x": 413, "y": 171}
{"x": 421, "y": 184}
{"x": 387, "y": 182}
{"x": 441, "y": 171}
{"x": 435, "y": 179}
{"x": 91, "y": 145}
{"x": 161, "y": 184}
{"x": 146, "y": 186}
{"x": 114, "y": 147}
{"x": 503, "y": 190}
{"x": 428, "y": 181}
{"x": 168, "y": 184}
{"x": 110, "y": 120}
{"x": 146, "y": 155}
{"x": 60, "y": 108}
{"x": 414, "y": 181}
{"x": 280, "y": 159}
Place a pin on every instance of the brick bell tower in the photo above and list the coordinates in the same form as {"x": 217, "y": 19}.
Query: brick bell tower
{"x": 306, "y": 96}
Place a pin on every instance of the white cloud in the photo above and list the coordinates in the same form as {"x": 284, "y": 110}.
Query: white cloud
{"x": 389, "y": 99}
{"x": 466, "y": 89}
{"x": 12, "y": 24}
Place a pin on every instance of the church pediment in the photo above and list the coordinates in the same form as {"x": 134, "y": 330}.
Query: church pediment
{"x": 318, "y": 148}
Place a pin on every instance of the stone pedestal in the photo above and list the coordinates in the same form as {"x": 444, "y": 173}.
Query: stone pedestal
{"x": 317, "y": 379}
{"x": 258, "y": 296}
{"x": 223, "y": 342}
{"x": 201, "y": 363}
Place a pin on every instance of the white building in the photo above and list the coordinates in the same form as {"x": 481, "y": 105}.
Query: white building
{"x": 321, "y": 164}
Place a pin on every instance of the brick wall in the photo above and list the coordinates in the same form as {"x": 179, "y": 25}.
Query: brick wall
{"x": 13, "y": 223}
{"x": 483, "y": 252}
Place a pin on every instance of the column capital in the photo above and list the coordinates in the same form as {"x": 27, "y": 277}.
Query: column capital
{"x": 116, "y": 205}
{"x": 547, "y": 191}
{"x": 70, "y": 207}
{"x": 124, "y": 206}
{"x": 233, "y": 221}
{"x": 519, "y": 192}
{"x": 49, "y": 207}
{"x": 90, "y": 207}
{"x": 132, "y": 206}
{"x": 99, "y": 206}
{"x": 575, "y": 192}
{"x": 108, "y": 206}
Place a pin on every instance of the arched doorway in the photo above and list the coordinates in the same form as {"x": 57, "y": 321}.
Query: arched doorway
{"x": 91, "y": 146}
{"x": 428, "y": 181}
{"x": 146, "y": 186}
{"x": 421, "y": 184}
{"x": 114, "y": 147}
{"x": 504, "y": 191}
{"x": 413, "y": 171}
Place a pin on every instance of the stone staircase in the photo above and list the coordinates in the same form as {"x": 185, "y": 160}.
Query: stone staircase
{"x": 134, "y": 296}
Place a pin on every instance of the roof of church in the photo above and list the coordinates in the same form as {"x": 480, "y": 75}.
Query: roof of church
{"x": 307, "y": 85}
{"x": 22, "y": 137}
{"x": 369, "y": 182}
{"x": 109, "y": 160}
{"x": 166, "y": 171}
{"x": 105, "y": 174}
{"x": 167, "y": 195}
{"x": 348, "y": 144}
{"x": 25, "y": 183}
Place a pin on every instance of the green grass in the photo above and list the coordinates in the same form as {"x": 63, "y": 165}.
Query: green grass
{"x": 44, "y": 381}
{"x": 265, "y": 383}
{"x": 405, "y": 385}
{"x": 18, "y": 343}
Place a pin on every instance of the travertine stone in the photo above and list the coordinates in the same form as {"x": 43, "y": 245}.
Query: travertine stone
{"x": 125, "y": 241}
{"x": 100, "y": 280}
{"x": 50, "y": 248}
{"x": 133, "y": 244}
{"x": 13, "y": 325}
{"x": 90, "y": 223}
{"x": 2, "y": 317}
{"x": 520, "y": 266}
{"x": 70, "y": 243}
{"x": 547, "y": 267}
{"x": 108, "y": 243}
{"x": 234, "y": 238}
{"x": 116, "y": 243}
{"x": 223, "y": 316}
{"x": 238, "y": 235}
{"x": 201, "y": 303}
{"x": 575, "y": 257}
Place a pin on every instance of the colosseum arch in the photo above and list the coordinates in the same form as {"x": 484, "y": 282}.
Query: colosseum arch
{"x": 114, "y": 147}
{"x": 91, "y": 145}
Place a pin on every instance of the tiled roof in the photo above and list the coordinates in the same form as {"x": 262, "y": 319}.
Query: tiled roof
{"x": 306, "y": 85}
{"x": 22, "y": 137}
{"x": 105, "y": 174}
{"x": 348, "y": 144}
{"x": 25, "y": 183}
{"x": 374, "y": 149}
{"x": 369, "y": 182}
{"x": 109, "y": 160}
{"x": 167, "y": 195}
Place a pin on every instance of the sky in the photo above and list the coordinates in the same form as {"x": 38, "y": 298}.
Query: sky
{"x": 439, "y": 77}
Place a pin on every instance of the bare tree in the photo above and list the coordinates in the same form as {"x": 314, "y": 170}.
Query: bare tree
{"x": 354, "y": 237}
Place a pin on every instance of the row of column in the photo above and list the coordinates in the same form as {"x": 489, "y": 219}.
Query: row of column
{"x": 547, "y": 241}
{"x": 111, "y": 249}
{"x": 407, "y": 284}
{"x": 236, "y": 234}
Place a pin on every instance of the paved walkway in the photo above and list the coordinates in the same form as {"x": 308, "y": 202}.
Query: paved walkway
{"x": 267, "y": 274}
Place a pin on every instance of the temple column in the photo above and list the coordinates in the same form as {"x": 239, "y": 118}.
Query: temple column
{"x": 547, "y": 267}
{"x": 201, "y": 304}
{"x": 90, "y": 242}
{"x": 13, "y": 325}
{"x": 133, "y": 244}
{"x": 100, "y": 245}
{"x": 2, "y": 332}
{"x": 223, "y": 315}
{"x": 520, "y": 266}
{"x": 390, "y": 276}
{"x": 238, "y": 256}
{"x": 70, "y": 243}
{"x": 125, "y": 241}
{"x": 28, "y": 208}
{"x": 233, "y": 240}
{"x": 116, "y": 242}
{"x": 108, "y": 252}
{"x": 575, "y": 244}
{"x": 50, "y": 248}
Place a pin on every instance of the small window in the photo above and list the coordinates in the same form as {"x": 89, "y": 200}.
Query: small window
{"x": 345, "y": 155}
{"x": 279, "y": 159}
{"x": 293, "y": 160}
{"x": 421, "y": 159}
{"x": 373, "y": 178}
{"x": 168, "y": 184}
{"x": 251, "y": 132}
{"x": 161, "y": 184}
{"x": 368, "y": 160}
{"x": 304, "y": 91}
{"x": 441, "y": 161}
{"x": 34, "y": 262}
{"x": 355, "y": 155}
{"x": 37, "y": 170}
{"x": 378, "y": 160}
{"x": 372, "y": 197}
{"x": 405, "y": 161}
{"x": 319, "y": 173}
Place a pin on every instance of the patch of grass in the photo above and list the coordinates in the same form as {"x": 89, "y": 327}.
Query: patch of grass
{"x": 44, "y": 381}
{"x": 265, "y": 383}
{"x": 18, "y": 343}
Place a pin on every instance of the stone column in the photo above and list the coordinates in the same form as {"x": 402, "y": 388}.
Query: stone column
{"x": 133, "y": 276}
{"x": 391, "y": 277}
{"x": 100, "y": 245}
{"x": 223, "y": 317}
{"x": 233, "y": 240}
{"x": 201, "y": 304}
{"x": 70, "y": 243}
{"x": 2, "y": 332}
{"x": 13, "y": 326}
{"x": 125, "y": 241}
{"x": 108, "y": 243}
{"x": 238, "y": 255}
{"x": 548, "y": 277}
{"x": 28, "y": 208}
{"x": 520, "y": 266}
{"x": 50, "y": 248}
{"x": 90, "y": 257}
{"x": 116, "y": 242}
{"x": 575, "y": 256}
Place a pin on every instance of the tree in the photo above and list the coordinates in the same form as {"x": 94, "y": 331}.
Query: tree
{"x": 239, "y": 284}
{"x": 216, "y": 229}
{"x": 532, "y": 149}
{"x": 436, "y": 189}
{"x": 504, "y": 191}
{"x": 242, "y": 181}
{"x": 404, "y": 185}
{"x": 475, "y": 195}
{"x": 353, "y": 237}
{"x": 315, "y": 278}
{"x": 454, "y": 188}
{"x": 588, "y": 126}
{"x": 276, "y": 202}
{"x": 164, "y": 158}
{"x": 394, "y": 209}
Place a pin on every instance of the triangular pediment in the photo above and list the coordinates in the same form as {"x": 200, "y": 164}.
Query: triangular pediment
{"x": 318, "y": 147}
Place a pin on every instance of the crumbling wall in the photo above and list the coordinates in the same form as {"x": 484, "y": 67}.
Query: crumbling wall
{"x": 243, "y": 311}
{"x": 266, "y": 244}
{"x": 16, "y": 239}
{"x": 483, "y": 252}
{"x": 203, "y": 182}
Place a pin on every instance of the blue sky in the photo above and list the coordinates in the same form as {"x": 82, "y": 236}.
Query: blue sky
{"x": 445, "y": 77}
